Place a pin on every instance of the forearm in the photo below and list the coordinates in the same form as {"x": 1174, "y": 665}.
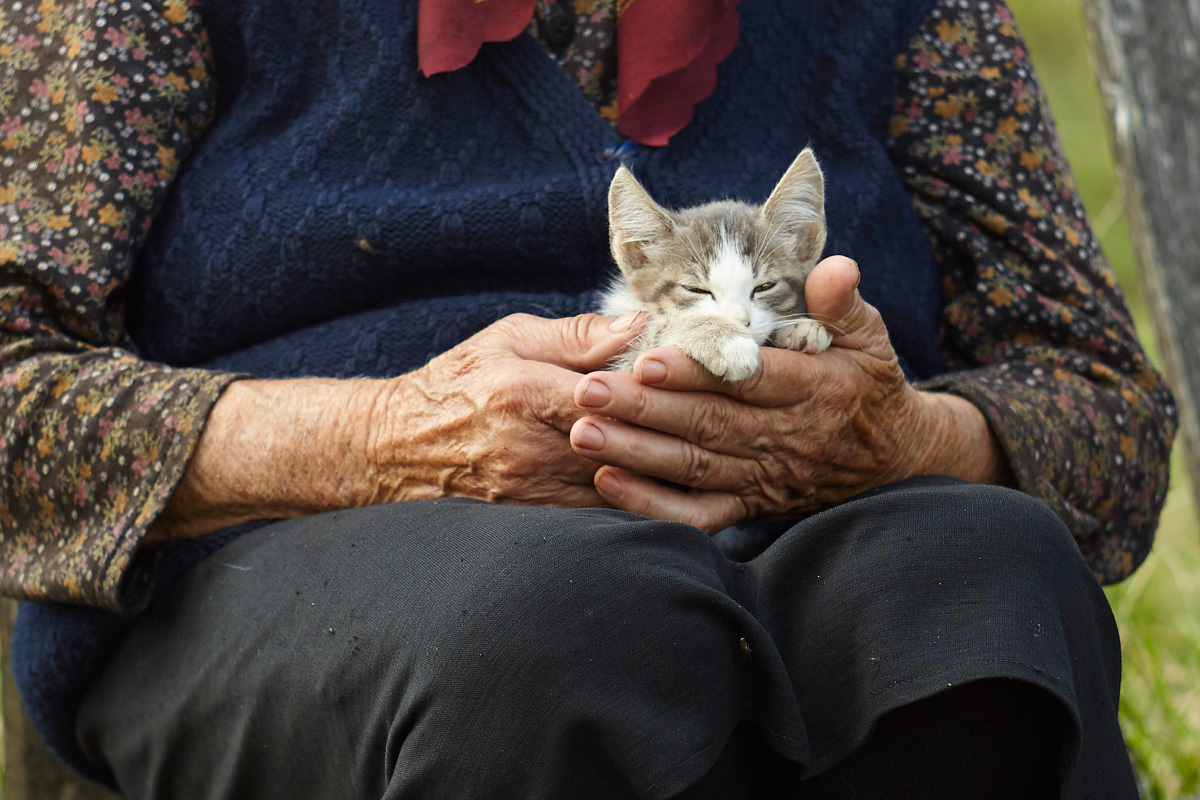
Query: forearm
{"x": 273, "y": 449}
{"x": 484, "y": 420}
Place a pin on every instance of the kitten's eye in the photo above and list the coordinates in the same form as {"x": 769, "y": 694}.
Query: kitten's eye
{"x": 697, "y": 290}
{"x": 762, "y": 287}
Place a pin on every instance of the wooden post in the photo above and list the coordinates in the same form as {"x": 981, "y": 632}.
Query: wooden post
{"x": 1147, "y": 58}
{"x": 31, "y": 771}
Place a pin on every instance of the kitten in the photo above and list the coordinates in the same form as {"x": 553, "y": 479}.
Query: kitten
{"x": 720, "y": 279}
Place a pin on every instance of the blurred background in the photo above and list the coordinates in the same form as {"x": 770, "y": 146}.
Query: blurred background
{"x": 1158, "y": 608}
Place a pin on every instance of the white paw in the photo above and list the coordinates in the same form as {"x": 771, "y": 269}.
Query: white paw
{"x": 735, "y": 360}
{"x": 807, "y": 335}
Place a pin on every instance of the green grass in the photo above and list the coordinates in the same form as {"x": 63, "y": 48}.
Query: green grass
{"x": 1158, "y": 609}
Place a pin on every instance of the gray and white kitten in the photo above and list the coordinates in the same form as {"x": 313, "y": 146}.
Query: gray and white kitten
{"x": 720, "y": 279}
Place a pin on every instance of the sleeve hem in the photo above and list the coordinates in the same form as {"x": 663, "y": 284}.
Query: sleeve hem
{"x": 125, "y": 583}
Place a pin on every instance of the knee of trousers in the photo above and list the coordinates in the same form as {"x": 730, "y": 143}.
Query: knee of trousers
{"x": 984, "y": 572}
{"x": 578, "y": 635}
{"x": 965, "y": 529}
{"x": 1009, "y": 533}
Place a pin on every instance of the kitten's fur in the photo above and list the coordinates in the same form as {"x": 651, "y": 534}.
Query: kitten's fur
{"x": 720, "y": 279}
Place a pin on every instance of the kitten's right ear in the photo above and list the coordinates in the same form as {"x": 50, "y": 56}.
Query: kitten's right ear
{"x": 634, "y": 220}
{"x": 797, "y": 206}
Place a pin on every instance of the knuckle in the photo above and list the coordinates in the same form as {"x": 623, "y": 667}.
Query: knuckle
{"x": 763, "y": 476}
{"x": 839, "y": 389}
{"x": 717, "y": 516}
{"x": 507, "y": 325}
{"x": 578, "y": 329}
{"x": 641, "y": 404}
{"x": 774, "y": 498}
{"x": 707, "y": 521}
{"x": 697, "y": 465}
{"x": 508, "y": 393}
{"x": 704, "y": 428}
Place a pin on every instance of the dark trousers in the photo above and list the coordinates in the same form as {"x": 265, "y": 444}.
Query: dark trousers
{"x": 930, "y": 639}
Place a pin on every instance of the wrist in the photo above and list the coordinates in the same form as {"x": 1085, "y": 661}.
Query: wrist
{"x": 952, "y": 437}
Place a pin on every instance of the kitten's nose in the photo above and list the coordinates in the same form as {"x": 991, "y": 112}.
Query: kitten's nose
{"x": 740, "y": 315}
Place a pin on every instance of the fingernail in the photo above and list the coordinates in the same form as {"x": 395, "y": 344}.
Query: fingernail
{"x": 857, "y": 280}
{"x": 623, "y": 323}
{"x": 589, "y": 437}
{"x": 595, "y": 394}
{"x": 608, "y": 485}
{"x": 652, "y": 371}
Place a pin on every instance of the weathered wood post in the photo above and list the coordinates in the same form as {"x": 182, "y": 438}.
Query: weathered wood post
{"x": 31, "y": 771}
{"x": 1147, "y": 58}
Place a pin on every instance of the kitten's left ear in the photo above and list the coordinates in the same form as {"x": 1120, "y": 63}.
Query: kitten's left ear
{"x": 797, "y": 205}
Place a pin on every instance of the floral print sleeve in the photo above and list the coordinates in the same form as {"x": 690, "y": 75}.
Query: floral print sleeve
{"x": 99, "y": 100}
{"x": 1036, "y": 330}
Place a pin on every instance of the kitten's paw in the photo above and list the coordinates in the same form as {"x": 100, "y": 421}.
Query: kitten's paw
{"x": 807, "y": 335}
{"x": 734, "y": 359}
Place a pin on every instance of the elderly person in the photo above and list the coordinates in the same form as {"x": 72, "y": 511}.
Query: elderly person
{"x": 263, "y": 260}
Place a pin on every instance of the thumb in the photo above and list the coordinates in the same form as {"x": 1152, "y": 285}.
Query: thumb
{"x": 583, "y": 344}
{"x": 831, "y": 295}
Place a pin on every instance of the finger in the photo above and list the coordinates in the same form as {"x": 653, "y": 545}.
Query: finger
{"x": 583, "y": 343}
{"x": 708, "y": 511}
{"x": 783, "y": 377}
{"x": 832, "y": 298}
{"x": 711, "y": 421}
{"x": 660, "y": 455}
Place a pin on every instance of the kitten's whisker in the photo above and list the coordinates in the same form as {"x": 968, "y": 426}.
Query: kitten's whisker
{"x": 786, "y": 321}
{"x": 770, "y": 239}
{"x": 693, "y": 252}
{"x": 781, "y": 325}
{"x": 760, "y": 253}
{"x": 822, "y": 318}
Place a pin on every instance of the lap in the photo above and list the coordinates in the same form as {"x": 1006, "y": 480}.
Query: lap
{"x": 344, "y": 649}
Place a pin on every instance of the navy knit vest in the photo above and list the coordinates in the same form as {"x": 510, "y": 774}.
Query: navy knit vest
{"x": 346, "y": 216}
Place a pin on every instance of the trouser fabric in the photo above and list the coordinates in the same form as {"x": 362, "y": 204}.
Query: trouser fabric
{"x": 458, "y": 649}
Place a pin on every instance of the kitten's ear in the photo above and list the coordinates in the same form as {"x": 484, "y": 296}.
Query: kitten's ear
{"x": 797, "y": 205}
{"x": 634, "y": 220}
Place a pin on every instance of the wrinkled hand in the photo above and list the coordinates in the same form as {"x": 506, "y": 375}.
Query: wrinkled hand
{"x": 489, "y": 419}
{"x": 800, "y": 434}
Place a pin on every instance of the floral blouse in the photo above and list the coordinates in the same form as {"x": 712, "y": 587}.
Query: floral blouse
{"x": 101, "y": 100}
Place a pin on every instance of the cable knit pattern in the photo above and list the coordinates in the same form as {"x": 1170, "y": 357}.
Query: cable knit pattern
{"x": 99, "y": 105}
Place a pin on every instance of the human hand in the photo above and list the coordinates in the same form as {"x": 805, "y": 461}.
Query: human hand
{"x": 802, "y": 433}
{"x": 490, "y": 418}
